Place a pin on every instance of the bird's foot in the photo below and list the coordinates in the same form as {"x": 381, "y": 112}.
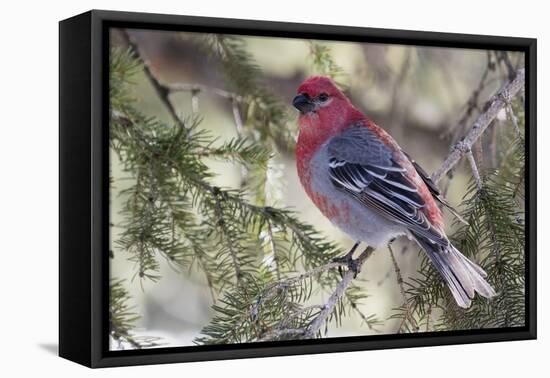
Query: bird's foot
{"x": 344, "y": 260}
{"x": 355, "y": 267}
{"x": 348, "y": 260}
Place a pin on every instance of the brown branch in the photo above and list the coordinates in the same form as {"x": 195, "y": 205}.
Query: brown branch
{"x": 503, "y": 57}
{"x": 163, "y": 91}
{"x": 398, "y": 275}
{"x": 495, "y": 104}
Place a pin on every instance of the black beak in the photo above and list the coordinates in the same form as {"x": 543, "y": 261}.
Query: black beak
{"x": 303, "y": 103}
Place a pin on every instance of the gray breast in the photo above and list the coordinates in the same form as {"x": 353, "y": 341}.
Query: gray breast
{"x": 355, "y": 219}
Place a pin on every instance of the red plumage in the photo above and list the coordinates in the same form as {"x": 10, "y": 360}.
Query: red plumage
{"x": 333, "y": 119}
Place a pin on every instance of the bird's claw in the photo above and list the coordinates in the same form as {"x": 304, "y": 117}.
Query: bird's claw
{"x": 342, "y": 259}
{"x": 348, "y": 260}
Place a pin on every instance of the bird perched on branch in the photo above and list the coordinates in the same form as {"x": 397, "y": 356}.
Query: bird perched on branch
{"x": 360, "y": 179}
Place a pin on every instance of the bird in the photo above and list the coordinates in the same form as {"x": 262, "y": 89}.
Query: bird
{"x": 369, "y": 188}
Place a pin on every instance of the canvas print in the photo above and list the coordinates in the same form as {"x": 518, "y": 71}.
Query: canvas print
{"x": 266, "y": 189}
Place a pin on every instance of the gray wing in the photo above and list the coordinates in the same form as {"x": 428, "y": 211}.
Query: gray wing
{"x": 434, "y": 190}
{"x": 363, "y": 167}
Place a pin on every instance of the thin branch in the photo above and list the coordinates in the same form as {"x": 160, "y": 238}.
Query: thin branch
{"x": 428, "y": 317}
{"x": 237, "y": 116}
{"x": 472, "y": 103}
{"x": 208, "y": 277}
{"x": 235, "y": 99}
{"x": 400, "y": 283}
{"x": 398, "y": 275}
{"x": 473, "y": 165}
{"x": 477, "y": 151}
{"x": 268, "y": 336}
{"x": 282, "y": 285}
{"x": 512, "y": 117}
{"x": 239, "y": 126}
{"x": 502, "y": 56}
{"x": 272, "y": 290}
{"x": 197, "y": 88}
{"x": 224, "y": 231}
{"x": 493, "y": 107}
{"x": 273, "y": 248}
{"x": 304, "y": 310}
{"x": 369, "y": 322}
{"x": 316, "y": 324}
{"x": 340, "y": 290}
{"x": 493, "y": 142}
{"x": 298, "y": 313}
{"x": 163, "y": 91}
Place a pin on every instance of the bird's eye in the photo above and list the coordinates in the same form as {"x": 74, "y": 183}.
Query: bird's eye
{"x": 323, "y": 97}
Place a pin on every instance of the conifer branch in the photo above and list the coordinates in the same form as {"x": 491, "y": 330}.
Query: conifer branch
{"x": 316, "y": 324}
{"x": 283, "y": 285}
{"x": 495, "y": 104}
{"x": 234, "y": 98}
{"x": 226, "y": 234}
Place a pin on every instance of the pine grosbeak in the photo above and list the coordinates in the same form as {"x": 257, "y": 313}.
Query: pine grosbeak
{"x": 361, "y": 180}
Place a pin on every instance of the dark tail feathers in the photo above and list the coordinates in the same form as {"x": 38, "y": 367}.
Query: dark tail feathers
{"x": 462, "y": 276}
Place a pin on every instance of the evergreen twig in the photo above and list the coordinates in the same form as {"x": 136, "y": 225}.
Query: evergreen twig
{"x": 496, "y": 103}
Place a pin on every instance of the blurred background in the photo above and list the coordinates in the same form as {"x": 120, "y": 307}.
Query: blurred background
{"x": 424, "y": 97}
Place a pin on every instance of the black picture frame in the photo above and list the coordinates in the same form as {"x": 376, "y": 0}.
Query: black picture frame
{"x": 84, "y": 192}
